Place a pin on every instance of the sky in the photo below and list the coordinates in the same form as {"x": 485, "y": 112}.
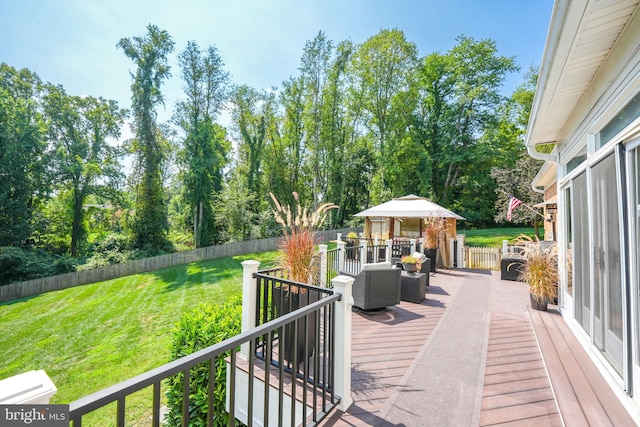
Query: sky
{"x": 73, "y": 42}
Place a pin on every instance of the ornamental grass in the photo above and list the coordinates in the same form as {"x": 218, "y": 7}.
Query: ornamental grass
{"x": 541, "y": 269}
{"x": 433, "y": 228}
{"x": 297, "y": 250}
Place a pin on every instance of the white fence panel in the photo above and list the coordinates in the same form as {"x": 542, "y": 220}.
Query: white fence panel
{"x": 482, "y": 258}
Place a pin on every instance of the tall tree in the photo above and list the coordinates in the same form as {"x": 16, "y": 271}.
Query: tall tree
{"x": 85, "y": 163}
{"x": 149, "y": 53}
{"x": 23, "y": 171}
{"x": 459, "y": 100}
{"x": 205, "y": 146}
{"x": 383, "y": 68}
{"x": 286, "y": 156}
{"x": 314, "y": 74}
{"x": 252, "y": 116}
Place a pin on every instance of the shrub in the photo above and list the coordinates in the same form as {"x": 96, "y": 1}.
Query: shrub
{"x": 205, "y": 326}
{"x": 17, "y": 264}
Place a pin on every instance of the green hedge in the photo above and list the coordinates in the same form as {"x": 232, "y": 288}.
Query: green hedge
{"x": 205, "y": 326}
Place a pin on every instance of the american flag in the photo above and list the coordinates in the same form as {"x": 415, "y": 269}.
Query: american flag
{"x": 513, "y": 203}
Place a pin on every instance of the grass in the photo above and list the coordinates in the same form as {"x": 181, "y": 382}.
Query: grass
{"x": 493, "y": 237}
{"x": 89, "y": 337}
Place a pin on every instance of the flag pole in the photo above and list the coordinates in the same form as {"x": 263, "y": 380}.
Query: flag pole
{"x": 524, "y": 204}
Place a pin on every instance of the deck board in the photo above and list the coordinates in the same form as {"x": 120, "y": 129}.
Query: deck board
{"x": 535, "y": 372}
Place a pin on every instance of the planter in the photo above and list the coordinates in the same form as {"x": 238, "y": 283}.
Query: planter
{"x": 284, "y": 302}
{"x": 432, "y": 254}
{"x": 409, "y": 268}
{"x": 540, "y": 306}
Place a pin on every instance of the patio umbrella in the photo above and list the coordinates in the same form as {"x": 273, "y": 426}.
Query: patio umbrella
{"x": 410, "y": 206}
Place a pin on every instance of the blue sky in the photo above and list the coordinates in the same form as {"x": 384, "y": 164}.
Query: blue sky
{"x": 73, "y": 42}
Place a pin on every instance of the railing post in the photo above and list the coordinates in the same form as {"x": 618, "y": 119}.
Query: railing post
{"x": 375, "y": 251}
{"x": 505, "y": 247}
{"x": 342, "y": 285}
{"x": 389, "y": 249}
{"x": 342, "y": 252}
{"x": 460, "y": 239}
{"x": 452, "y": 249}
{"x": 339, "y": 237}
{"x": 363, "y": 252}
{"x": 413, "y": 246}
{"x": 249, "y": 300}
{"x": 323, "y": 264}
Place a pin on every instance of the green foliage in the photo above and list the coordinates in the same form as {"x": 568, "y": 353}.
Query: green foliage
{"x": 84, "y": 163}
{"x": 150, "y": 54}
{"x": 205, "y": 147}
{"x": 17, "y": 264}
{"x": 23, "y": 157}
{"x": 203, "y": 327}
{"x": 116, "y": 248}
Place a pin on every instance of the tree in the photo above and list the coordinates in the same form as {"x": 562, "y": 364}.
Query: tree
{"x": 383, "y": 68}
{"x": 252, "y": 115}
{"x": 458, "y": 103}
{"x": 84, "y": 162}
{"x": 517, "y": 185}
{"x": 23, "y": 160}
{"x": 314, "y": 75}
{"x": 516, "y": 169}
{"x": 205, "y": 146}
{"x": 149, "y": 53}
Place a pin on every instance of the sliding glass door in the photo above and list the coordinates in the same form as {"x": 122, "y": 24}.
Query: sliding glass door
{"x": 607, "y": 262}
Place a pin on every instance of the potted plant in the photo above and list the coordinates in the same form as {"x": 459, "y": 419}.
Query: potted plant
{"x": 410, "y": 263}
{"x": 540, "y": 271}
{"x": 433, "y": 228}
{"x": 297, "y": 258}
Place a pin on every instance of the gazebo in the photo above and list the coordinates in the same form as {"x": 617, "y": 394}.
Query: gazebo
{"x": 404, "y": 217}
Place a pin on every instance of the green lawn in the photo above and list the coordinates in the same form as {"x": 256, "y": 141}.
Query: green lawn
{"x": 89, "y": 337}
{"x": 493, "y": 237}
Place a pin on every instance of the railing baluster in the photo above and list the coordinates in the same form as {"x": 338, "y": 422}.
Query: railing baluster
{"x": 280, "y": 376}
{"x": 316, "y": 364}
{"x": 251, "y": 381}
{"x": 305, "y": 367}
{"x": 211, "y": 390}
{"x": 324, "y": 358}
{"x": 156, "y": 404}
{"x": 232, "y": 397}
{"x": 120, "y": 410}
{"x": 331, "y": 359}
{"x": 185, "y": 397}
{"x": 294, "y": 370}
{"x": 267, "y": 374}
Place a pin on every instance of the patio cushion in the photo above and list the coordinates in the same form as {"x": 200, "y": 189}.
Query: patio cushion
{"x": 376, "y": 266}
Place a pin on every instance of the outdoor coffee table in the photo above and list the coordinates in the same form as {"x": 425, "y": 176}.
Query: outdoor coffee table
{"x": 413, "y": 287}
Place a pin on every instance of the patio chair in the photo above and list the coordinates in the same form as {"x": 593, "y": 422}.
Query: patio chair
{"x": 377, "y": 286}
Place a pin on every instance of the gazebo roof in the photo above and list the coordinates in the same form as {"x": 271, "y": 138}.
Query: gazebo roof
{"x": 410, "y": 206}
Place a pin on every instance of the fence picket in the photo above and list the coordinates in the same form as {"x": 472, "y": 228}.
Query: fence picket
{"x": 68, "y": 280}
{"x": 482, "y": 258}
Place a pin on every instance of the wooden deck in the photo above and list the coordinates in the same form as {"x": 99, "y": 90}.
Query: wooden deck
{"x": 524, "y": 349}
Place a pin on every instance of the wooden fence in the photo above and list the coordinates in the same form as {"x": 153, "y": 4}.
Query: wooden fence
{"x": 482, "y": 258}
{"x": 63, "y": 281}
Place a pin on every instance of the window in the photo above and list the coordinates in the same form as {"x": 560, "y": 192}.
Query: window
{"x": 628, "y": 114}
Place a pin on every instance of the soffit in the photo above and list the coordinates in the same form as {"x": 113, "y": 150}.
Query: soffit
{"x": 579, "y": 42}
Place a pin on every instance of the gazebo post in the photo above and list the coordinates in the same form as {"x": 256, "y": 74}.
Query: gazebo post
{"x": 392, "y": 227}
